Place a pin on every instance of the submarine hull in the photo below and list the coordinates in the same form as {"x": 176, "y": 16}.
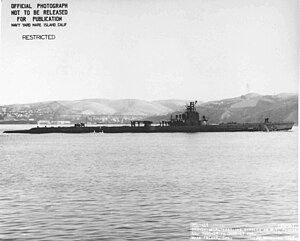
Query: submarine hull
{"x": 250, "y": 127}
{"x": 48, "y": 130}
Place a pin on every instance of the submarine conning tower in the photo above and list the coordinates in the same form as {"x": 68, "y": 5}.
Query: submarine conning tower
{"x": 191, "y": 116}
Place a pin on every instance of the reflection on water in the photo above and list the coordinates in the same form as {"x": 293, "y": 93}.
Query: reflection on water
{"x": 144, "y": 186}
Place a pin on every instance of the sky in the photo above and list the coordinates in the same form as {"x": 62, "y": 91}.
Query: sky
{"x": 153, "y": 49}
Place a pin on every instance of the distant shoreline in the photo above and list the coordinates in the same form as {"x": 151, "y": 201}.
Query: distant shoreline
{"x": 17, "y": 122}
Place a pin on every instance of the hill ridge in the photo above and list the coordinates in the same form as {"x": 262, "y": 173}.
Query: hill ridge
{"x": 245, "y": 108}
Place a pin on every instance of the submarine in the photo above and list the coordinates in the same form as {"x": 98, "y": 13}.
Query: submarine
{"x": 189, "y": 122}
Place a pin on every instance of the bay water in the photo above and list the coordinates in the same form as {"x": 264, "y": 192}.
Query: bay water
{"x": 145, "y": 186}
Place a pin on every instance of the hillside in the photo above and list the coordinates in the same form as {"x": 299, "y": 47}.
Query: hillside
{"x": 96, "y": 109}
{"x": 246, "y": 108}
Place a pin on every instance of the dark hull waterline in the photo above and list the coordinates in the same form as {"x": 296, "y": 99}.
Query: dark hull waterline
{"x": 249, "y": 127}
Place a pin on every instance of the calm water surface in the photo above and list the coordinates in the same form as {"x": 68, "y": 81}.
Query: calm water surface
{"x": 144, "y": 186}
